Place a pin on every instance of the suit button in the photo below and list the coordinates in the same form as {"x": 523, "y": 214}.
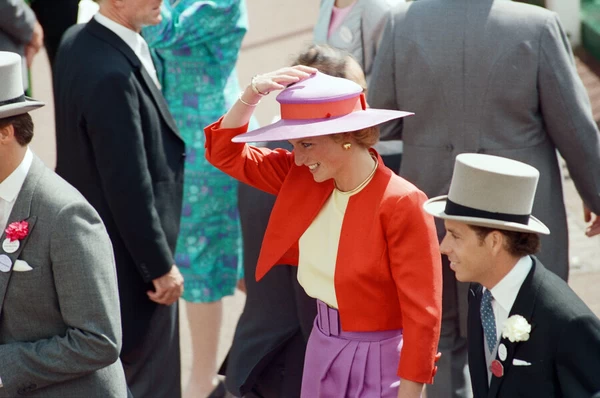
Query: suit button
{"x": 183, "y": 155}
{"x": 449, "y": 147}
{"x": 480, "y": 150}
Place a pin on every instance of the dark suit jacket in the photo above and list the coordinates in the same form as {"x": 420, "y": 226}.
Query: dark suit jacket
{"x": 563, "y": 347}
{"x": 119, "y": 146}
{"x": 271, "y": 335}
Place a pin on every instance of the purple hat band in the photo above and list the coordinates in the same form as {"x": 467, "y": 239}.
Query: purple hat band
{"x": 320, "y": 105}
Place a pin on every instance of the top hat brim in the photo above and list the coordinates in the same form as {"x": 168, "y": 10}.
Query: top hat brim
{"x": 437, "y": 206}
{"x": 295, "y": 129}
{"x": 19, "y": 108}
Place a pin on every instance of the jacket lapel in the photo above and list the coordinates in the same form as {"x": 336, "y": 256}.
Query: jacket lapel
{"x": 295, "y": 210}
{"x": 477, "y": 364}
{"x": 523, "y": 305}
{"x": 321, "y": 29}
{"x": 21, "y": 212}
{"x": 114, "y": 40}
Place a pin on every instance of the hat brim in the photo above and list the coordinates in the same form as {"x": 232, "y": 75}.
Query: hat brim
{"x": 437, "y": 206}
{"x": 294, "y": 129}
{"x": 18, "y": 108}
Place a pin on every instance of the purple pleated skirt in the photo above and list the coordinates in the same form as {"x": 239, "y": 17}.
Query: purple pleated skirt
{"x": 342, "y": 364}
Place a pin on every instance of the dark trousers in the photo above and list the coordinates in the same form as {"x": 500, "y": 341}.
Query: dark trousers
{"x": 55, "y": 16}
{"x": 153, "y": 369}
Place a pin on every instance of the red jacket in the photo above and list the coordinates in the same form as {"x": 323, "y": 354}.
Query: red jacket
{"x": 388, "y": 272}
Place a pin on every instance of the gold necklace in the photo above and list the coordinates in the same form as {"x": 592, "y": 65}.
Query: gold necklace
{"x": 362, "y": 184}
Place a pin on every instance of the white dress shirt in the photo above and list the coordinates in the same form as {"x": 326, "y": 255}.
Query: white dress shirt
{"x": 505, "y": 293}
{"x": 134, "y": 40}
{"x": 10, "y": 188}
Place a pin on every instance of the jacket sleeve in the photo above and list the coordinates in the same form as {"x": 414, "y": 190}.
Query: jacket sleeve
{"x": 85, "y": 280}
{"x": 417, "y": 271}
{"x": 262, "y": 168}
{"x": 382, "y": 88}
{"x": 578, "y": 357}
{"x": 17, "y": 20}
{"x": 567, "y": 113}
{"x": 193, "y": 22}
{"x": 120, "y": 155}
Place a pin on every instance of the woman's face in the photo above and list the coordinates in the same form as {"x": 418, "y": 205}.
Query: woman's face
{"x": 324, "y": 157}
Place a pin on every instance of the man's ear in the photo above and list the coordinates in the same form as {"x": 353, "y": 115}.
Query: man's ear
{"x": 495, "y": 241}
{"x": 7, "y": 133}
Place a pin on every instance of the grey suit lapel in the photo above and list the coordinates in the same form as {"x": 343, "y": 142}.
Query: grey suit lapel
{"x": 21, "y": 212}
{"x": 523, "y": 305}
{"x": 322, "y": 27}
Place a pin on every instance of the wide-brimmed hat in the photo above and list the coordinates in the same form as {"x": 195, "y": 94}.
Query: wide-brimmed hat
{"x": 490, "y": 191}
{"x": 12, "y": 98}
{"x": 320, "y": 105}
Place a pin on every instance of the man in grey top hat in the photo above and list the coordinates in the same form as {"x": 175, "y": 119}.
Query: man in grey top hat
{"x": 60, "y": 328}
{"x": 529, "y": 334}
{"x": 494, "y": 77}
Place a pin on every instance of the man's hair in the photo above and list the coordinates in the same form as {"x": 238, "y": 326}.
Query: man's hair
{"x": 23, "y": 126}
{"x": 518, "y": 244}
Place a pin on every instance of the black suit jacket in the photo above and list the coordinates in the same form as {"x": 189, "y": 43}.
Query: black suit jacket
{"x": 119, "y": 146}
{"x": 563, "y": 347}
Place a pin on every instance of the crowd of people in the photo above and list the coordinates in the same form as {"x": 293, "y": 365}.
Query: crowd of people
{"x": 400, "y": 227}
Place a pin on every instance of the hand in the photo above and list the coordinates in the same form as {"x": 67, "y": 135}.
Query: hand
{"x": 241, "y": 285}
{"x": 167, "y": 288}
{"x": 35, "y": 44}
{"x": 594, "y": 228}
{"x": 410, "y": 389}
{"x": 281, "y": 78}
{"x": 30, "y": 52}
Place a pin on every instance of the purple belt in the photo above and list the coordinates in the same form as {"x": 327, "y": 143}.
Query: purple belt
{"x": 328, "y": 322}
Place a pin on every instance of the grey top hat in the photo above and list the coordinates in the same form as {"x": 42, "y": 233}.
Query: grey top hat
{"x": 490, "y": 191}
{"x": 12, "y": 98}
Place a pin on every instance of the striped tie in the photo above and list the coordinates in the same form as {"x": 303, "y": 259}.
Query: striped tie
{"x": 488, "y": 321}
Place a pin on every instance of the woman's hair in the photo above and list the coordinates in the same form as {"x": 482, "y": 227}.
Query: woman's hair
{"x": 339, "y": 63}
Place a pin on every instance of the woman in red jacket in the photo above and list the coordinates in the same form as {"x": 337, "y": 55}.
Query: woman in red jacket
{"x": 365, "y": 248}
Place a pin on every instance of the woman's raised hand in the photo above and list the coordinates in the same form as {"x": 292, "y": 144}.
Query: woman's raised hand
{"x": 261, "y": 85}
{"x": 280, "y": 79}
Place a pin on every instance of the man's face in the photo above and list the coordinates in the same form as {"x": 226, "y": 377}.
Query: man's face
{"x": 139, "y": 13}
{"x": 470, "y": 257}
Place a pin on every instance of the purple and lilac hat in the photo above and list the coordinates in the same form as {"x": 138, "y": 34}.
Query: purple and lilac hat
{"x": 320, "y": 105}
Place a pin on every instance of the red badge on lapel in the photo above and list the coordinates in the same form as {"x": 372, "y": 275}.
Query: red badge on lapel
{"x": 497, "y": 368}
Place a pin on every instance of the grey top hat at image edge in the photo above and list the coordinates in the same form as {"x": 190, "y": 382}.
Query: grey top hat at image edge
{"x": 490, "y": 191}
{"x": 12, "y": 98}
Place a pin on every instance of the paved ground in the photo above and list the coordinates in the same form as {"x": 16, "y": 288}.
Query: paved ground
{"x": 265, "y": 53}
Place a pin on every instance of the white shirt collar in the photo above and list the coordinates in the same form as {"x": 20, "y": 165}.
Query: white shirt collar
{"x": 505, "y": 292}
{"x": 135, "y": 41}
{"x": 11, "y": 186}
{"x": 130, "y": 37}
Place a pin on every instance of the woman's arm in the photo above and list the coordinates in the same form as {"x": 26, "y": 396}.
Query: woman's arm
{"x": 415, "y": 263}
{"x": 259, "y": 167}
{"x": 262, "y": 85}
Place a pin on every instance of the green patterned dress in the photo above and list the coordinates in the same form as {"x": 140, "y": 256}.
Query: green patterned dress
{"x": 195, "y": 49}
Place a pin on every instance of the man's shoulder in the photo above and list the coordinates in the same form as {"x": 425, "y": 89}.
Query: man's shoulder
{"x": 95, "y": 49}
{"x": 53, "y": 193}
{"x": 557, "y": 299}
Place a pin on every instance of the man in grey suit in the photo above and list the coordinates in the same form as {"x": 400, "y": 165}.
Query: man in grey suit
{"x": 60, "y": 327}
{"x": 20, "y": 32}
{"x": 494, "y": 77}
